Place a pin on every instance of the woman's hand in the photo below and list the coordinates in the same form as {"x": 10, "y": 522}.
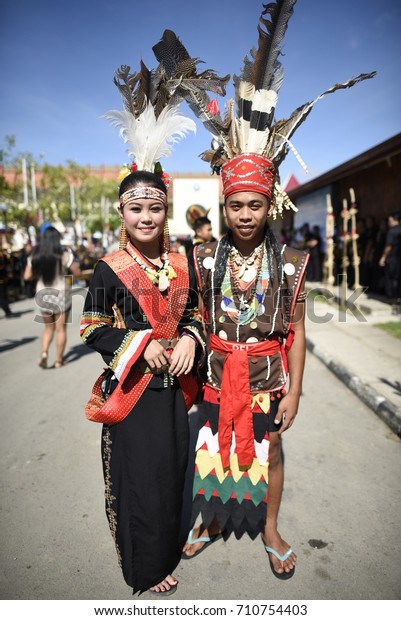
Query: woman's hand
{"x": 182, "y": 357}
{"x": 156, "y": 356}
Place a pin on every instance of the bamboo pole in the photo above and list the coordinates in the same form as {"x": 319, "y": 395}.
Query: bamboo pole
{"x": 345, "y": 260}
{"x": 354, "y": 237}
{"x": 329, "y": 243}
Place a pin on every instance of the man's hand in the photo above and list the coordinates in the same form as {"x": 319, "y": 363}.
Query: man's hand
{"x": 287, "y": 411}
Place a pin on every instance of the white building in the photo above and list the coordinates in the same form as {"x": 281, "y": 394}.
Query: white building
{"x": 188, "y": 190}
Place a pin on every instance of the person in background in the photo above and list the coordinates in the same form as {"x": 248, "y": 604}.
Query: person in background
{"x": 203, "y": 231}
{"x": 29, "y": 285}
{"x": 49, "y": 265}
{"x": 378, "y": 276}
{"x": 367, "y": 256}
{"x": 311, "y": 242}
{"x": 4, "y": 278}
{"x": 391, "y": 260}
{"x": 314, "y": 247}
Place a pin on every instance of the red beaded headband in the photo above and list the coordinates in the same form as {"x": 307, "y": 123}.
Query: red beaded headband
{"x": 143, "y": 192}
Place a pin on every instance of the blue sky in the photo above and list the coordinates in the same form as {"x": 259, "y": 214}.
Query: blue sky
{"x": 58, "y": 60}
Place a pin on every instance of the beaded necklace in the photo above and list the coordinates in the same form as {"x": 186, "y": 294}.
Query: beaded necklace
{"x": 247, "y": 309}
{"x": 247, "y": 271}
{"x": 159, "y": 276}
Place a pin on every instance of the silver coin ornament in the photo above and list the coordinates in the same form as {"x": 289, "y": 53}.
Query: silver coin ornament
{"x": 208, "y": 262}
{"x": 289, "y": 269}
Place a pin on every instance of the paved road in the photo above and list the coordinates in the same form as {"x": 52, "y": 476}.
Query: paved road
{"x": 340, "y": 511}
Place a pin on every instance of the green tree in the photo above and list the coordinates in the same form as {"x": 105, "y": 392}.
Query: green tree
{"x": 96, "y": 198}
{"x": 63, "y": 192}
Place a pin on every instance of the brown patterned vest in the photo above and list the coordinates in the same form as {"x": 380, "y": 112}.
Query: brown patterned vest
{"x": 266, "y": 373}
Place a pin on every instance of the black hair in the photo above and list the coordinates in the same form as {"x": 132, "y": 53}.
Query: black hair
{"x": 46, "y": 256}
{"x": 201, "y": 221}
{"x": 141, "y": 177}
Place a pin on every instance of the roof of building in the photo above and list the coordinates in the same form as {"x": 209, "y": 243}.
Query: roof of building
{"x": 365, "y": 160}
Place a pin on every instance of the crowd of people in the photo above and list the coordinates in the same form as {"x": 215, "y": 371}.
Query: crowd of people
{"x": 378, "y": 246}
{"x": 46, "y": 271}
{"x": 13, "y": 263}
{"x": 373, "y": 237}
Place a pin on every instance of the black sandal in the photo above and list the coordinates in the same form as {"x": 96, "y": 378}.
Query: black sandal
{"x": 282, "y": 558}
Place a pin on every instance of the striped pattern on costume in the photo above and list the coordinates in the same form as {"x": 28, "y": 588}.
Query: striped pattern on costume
{"x": 127, "y": 351}
{"x": 91, "y": 321}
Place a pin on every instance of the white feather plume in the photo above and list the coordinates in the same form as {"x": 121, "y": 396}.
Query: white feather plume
{"x": 264, "y": 102}
{"x": 246, "y": 91}
{"x": 150, "y": 138}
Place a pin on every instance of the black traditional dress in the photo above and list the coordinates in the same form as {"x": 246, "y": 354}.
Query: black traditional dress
{"x": 145, "y": 454}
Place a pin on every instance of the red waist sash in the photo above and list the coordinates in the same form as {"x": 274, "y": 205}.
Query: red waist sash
{"x": 235, "y": 400}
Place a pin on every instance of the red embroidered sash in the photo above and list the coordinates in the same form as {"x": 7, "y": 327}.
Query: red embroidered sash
{"x": 235, "y": 398}
{"x": 164, "y": 314}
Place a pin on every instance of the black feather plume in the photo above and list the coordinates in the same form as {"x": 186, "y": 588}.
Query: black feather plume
{"x": 269, "y": 44}
{"x": 169, "y": 51}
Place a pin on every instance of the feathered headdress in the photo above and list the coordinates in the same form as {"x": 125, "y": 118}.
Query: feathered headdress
{"x": 150, "y": 123}
{"x": 249, "y": 125}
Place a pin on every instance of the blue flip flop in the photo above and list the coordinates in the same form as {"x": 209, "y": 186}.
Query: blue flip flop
{"x": 282, "y": 558}
{"x": 208, "y": 540}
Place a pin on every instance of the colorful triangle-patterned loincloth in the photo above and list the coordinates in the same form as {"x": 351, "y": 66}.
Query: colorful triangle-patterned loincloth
{"x": 236, "y": 496}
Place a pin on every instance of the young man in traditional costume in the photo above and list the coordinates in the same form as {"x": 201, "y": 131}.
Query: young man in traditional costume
{"x": 253, "y": 296}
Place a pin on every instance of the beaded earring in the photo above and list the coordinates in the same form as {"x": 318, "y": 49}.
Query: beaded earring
{"x": 123, "y": 237}
{"x": 166, "y": 236}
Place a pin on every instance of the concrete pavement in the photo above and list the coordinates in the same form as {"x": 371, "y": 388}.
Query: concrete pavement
{"x": 340, "y": 508}
{"x": 357, "y": 351}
